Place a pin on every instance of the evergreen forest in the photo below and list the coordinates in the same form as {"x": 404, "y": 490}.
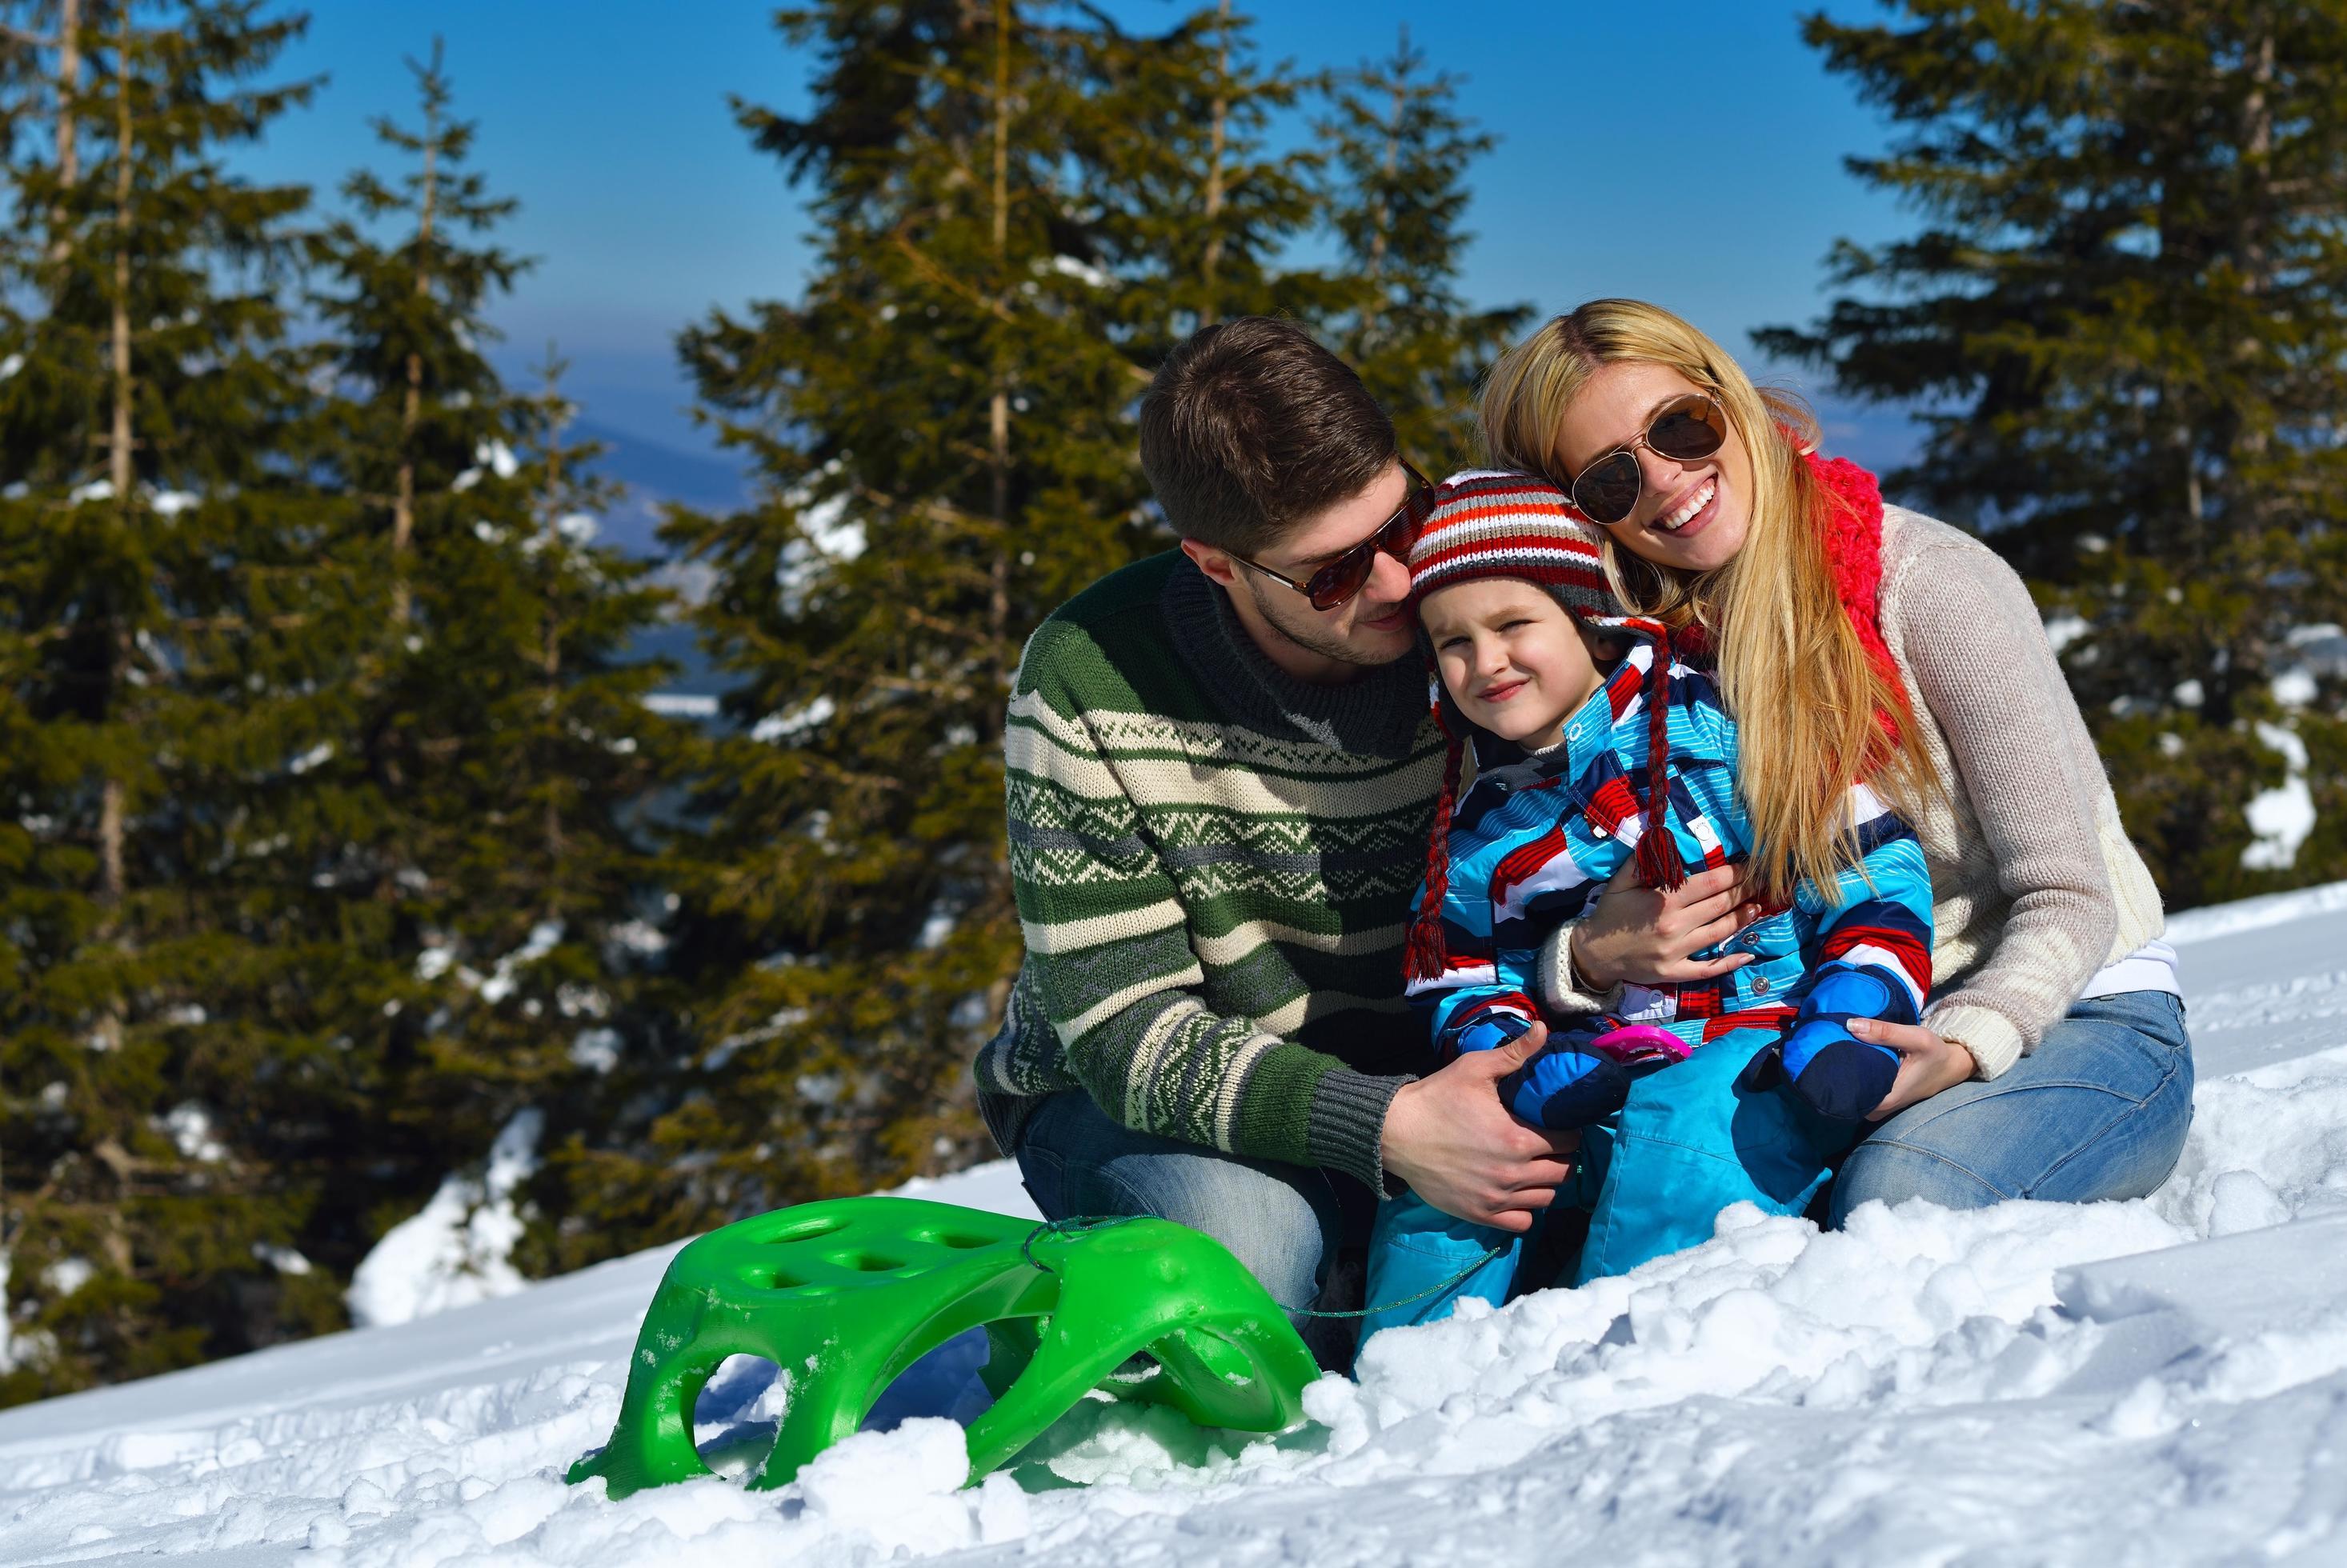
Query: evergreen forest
{"x": 341, "y": 846}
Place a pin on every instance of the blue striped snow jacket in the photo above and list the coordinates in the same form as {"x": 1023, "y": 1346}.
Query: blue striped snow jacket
{"x": 1534, "y": 837}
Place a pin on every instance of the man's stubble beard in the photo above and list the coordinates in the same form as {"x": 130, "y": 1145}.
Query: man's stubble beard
{"x": 1314, "y": 638}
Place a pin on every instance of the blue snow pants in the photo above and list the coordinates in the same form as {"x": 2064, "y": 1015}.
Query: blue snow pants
{"x": 1686, "y": 1143}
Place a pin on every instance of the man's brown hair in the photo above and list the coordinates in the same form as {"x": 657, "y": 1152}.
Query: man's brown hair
{"x": 1250, "y": 427}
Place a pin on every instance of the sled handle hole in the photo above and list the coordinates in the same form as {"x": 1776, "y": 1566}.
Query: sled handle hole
{"x": 959, "y": 1241}
{"x": 867, "y": 1262}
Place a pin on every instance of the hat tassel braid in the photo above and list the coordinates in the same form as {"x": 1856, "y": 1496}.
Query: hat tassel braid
{"x": 1424, "y": 959}
{"x": 1659, "y": 861}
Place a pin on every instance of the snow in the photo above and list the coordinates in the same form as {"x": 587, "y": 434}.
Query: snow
{"x": 937, "y": 926}
{"x": 2293, "y": 688}
{"x": 316, "y": 756}
{"x": 826, "y": 525}
{"x": 2132, "y": 1382}
{"x": 1082, "y": 271}
{"x": 69, "y": 1274}
{"x": 494, "y": 457}
{"x": 828, "y": 537}
{"x": 166, "y": 503}
{"x": 794, "y": 722}
{"x": 283, "y": 1259}
{"x": 2323, "y": 646}
{"x": 596, "y": 1050}
{"x": 2282, "y": 816}
{"x": 681, "y": 704}
{"x": 505, "y": 974}
{"x": 190, "y": 1127}
{"x": 459, "y": 1250}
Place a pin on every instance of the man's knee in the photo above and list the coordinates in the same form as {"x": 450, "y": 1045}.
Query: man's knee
{"x": 1280, "y": 1222}
{"x": 1879, "y": 1170}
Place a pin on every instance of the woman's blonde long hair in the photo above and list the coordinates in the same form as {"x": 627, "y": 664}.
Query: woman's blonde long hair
{"x": 1814, "y": 714}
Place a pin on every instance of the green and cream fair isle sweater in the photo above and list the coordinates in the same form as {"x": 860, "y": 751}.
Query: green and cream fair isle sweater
{"x": 1214, "y": 862}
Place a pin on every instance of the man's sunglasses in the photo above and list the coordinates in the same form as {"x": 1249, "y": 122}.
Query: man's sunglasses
{"x": 1683, "y": 430}
{"x": 1341, "y": 578}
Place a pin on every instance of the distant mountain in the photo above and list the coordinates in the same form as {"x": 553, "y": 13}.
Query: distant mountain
{"x": 656, "y": 473}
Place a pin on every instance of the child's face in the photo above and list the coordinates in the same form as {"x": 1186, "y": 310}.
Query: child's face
{"x": 1512, "y": 659}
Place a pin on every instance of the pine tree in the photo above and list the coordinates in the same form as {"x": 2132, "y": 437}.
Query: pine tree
{"x": 156, "y": 570}
{"x": 1022, "y": 207}
{"x": 1190, "y": 204}
{"x": 494, "y": 756}
{"x": 2126, "y": 318}
{"x": 552, "y": 841}
{"x": 1400, "y": 151}
{"x": 941, "y": 430}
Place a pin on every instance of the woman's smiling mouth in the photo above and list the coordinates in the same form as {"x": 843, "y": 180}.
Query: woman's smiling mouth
{"x": 1693, "y": 507}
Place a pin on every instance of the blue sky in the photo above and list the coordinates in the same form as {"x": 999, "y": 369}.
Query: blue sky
{"x": 1690, "y": 154}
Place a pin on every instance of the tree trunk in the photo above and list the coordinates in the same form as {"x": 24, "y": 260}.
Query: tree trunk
{"x": 999, "y": 401}
{"x": 410, "y": 410}
{"x": 69, "y": 130}
{"x": 1217, "y": 138}
{"x": 119, "y": 471}
{"x": 1373, "y": 308}
{"x": 550, "y": 640}
{"x": 113, "y": 805}
{"x": 2245, "y": 507}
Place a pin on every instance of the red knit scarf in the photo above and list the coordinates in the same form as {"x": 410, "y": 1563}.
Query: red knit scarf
{"x": 1854, "y": 552}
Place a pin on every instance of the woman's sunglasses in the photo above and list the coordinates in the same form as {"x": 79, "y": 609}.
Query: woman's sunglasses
{"x": 1341, "y": 578}
{"x": 1683, "y": 430}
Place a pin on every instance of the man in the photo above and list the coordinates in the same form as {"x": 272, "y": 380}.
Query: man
{"x": 1220, "y": 770}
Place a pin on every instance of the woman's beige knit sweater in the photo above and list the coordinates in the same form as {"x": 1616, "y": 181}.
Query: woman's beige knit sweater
{"x": 2034, "y": 886}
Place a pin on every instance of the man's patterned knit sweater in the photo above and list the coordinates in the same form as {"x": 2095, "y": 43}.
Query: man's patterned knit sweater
{"x": 1214, "y": 862}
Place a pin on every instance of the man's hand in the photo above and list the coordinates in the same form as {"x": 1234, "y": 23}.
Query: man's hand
{"x": 1451, "y": 1140}
{"x": 1645, "y": 934}
{"x": 1927, "y": 1064}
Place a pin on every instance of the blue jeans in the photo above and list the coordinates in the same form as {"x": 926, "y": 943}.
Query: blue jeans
{"x": 2099, "y": 1110}
{"x": 1286, "y": 1222}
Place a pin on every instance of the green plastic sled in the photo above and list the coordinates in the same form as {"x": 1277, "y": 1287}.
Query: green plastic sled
{"x": 844, "y": 1295}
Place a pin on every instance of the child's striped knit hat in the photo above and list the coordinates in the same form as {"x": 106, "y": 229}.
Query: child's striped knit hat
{"x": 1488, "y": 523}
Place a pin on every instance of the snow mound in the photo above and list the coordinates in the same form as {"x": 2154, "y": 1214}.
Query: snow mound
{"x": 2158, "y": 1380}
{"x": 458, "y": 1249}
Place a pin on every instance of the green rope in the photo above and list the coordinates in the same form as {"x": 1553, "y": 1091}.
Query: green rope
{"x": 1079, "y": 1225}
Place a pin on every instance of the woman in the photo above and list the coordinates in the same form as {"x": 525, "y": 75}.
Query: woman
{"x": 1859, "y": 642}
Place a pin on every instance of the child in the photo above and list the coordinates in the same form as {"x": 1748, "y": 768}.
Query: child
{"x": 1693, "y": 1096}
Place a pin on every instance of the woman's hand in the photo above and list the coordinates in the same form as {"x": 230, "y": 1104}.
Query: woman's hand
{"x": 1645, "y": 935}
{"x": 1451, "y": 1140}
{"x": 1927, "y": 1064}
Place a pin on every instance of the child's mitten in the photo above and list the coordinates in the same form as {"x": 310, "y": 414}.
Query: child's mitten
{"x": 1573, "y": 1082}
{"x": 1839, "y": 1075}
{"x": 1565, "y": 1086}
